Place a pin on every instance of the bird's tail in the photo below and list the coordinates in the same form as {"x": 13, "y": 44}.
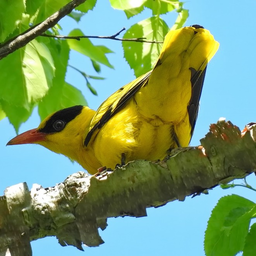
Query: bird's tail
{"x": 178, "y": 74}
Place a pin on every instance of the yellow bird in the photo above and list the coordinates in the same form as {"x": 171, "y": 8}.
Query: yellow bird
{"x": 145, "y": 119}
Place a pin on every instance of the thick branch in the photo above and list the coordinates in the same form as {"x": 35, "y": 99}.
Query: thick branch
{"x": 24, "y": 38}
{"x": 75, "y": 209}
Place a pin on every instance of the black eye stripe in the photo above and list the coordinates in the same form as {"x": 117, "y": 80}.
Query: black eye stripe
{"x": 59, "y": 125}
{"x": 64, "y": 115}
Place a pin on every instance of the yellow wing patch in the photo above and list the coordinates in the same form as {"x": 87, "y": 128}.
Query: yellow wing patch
{"x": 114, "y": 103}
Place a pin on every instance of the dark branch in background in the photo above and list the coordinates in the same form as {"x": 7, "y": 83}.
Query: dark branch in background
{"x": 23, "y": 39}
{"x": 113, "y": 37}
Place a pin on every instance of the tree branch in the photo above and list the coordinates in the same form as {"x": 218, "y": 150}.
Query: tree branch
{"x": 112, "y": 37}
{"x": 24, "y": 38}
{"x": 75, "y": 209}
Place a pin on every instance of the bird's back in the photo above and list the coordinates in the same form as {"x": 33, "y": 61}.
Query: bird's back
{"x": 157, "y": 111}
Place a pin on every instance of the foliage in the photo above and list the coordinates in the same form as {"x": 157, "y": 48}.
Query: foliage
{"x": 35, "y": 76}
{"x": 229, "y": 229}
{"x": 41, "y": 65}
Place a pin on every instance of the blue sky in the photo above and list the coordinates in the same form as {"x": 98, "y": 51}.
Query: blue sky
{"x": 229, "y": 91}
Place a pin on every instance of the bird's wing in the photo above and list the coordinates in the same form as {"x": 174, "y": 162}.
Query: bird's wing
{"x": 115, "y": 103}
{"x": 197, "y": 81}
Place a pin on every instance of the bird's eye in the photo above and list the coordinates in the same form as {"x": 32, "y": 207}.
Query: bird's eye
{"x": 58, "y": 125}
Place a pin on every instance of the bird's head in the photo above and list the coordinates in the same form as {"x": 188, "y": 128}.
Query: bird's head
{"x": 61, "y": 132}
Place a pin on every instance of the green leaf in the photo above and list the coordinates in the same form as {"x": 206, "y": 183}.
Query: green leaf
{"x": 59, "y": 51}
{"x": 36, "y": 71}
{"x": 53, "y": 100}
{"x": 46, "y": 60}
{"x": 142, "y": 56}
{"x": 134, "y": 11}
{"x": 250, "y": 245}
{"x": 126, "y": 4}
{"x": 86, "y": 6}
{"x": 104, "y": 49}
{"x": 20, "y": 90}
{"x": 59, "y": 97}
{"x": 86, "y": 76}
{"x": 76, "y": 15}
{"x": 92, "y": 90}
{"x": 32, "y": 6}
{"x": 228, "y": 226}
{"x": 181, "y": 19}
{"x": 72, "y": 96}
{"x": 11, "y": 13}
{"x": 2, "y": 113}
{"x": 16, "y": 114}
{"x": 47, "y": 8}
{"x": 96, "y": 77}
{"x": 86, "y": 47}
{"x": 13, "y": 85}
{"x": 161, "y": 6}
{"x": 96, "y": 66}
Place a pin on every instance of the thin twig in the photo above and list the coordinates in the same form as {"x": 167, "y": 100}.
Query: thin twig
{"x": 113, "y": 37}
{"x": 30, "y": 34}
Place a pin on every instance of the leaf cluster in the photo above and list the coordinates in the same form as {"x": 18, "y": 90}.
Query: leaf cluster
{"x": 35, "y": 74}
{"x": 230, "y": 229}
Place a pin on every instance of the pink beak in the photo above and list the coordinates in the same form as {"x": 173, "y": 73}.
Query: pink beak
{"x": 31, "y": 136}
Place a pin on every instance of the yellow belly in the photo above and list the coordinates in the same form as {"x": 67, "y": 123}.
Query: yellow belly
{"x": 134, "y": 136}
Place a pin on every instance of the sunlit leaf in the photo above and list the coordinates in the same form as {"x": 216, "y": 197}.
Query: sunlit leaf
{"x": 34, "y": 71}
{"x": 86, "y": 47}
{"x": 32, "y": 6}
{"x": 60, "y": 97}
{"x": 181, "y": 19}
{"x": 142, "y": 56}
{"x": 2, "y": 113}
{"x": 87, "y": 6}
{"x": 49, "y": 7}
{"x": 126, "y": 4}
{"x": 250, "y": 245}
{"x": 11, "y": 13}
{"x": 59, "y": 50}
{"x": 104, "y": 49}
{"x": 14, "y": 90}
{"x": 16, "y": 114}
{"x": 76, "y": 15}
{"x": 228, "y": 226}
{"x": 161, "y": 6}
{"x": 92, "y": 90}
{"x": 96, "y": 77}
{"x": 96, "y": 66}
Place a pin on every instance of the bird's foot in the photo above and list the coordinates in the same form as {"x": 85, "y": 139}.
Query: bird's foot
{"x": 123, "y": 161}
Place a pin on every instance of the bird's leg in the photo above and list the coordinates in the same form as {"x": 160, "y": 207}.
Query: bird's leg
{"x": 176, "y": 140}
{"x": 123, "y": 160}
{"x": 173, "y": 147}
{"x": 104, "y": 168}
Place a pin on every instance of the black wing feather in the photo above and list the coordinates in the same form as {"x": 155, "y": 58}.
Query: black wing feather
{"x": 197, "y": 81}
{"x": 113, "y": 110}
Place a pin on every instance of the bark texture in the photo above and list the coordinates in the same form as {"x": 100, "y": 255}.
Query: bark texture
{"x": 74, "y": 209}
